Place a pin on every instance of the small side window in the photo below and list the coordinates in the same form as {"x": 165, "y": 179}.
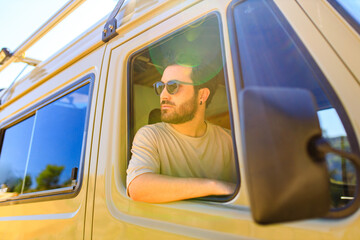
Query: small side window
{"x": 44, "y": 151}
{"x": 272, "y": 55}
{"x": 14, "y": 153}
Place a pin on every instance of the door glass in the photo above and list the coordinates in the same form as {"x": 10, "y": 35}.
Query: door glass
{"x": 272, "y": 55}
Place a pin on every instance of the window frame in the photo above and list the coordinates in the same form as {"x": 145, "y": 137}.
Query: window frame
{"x": 64, "y": 192}
{"x": 345, "y": 14}
{"x": 130, "y": 100}
{"x": 324, "y": 84}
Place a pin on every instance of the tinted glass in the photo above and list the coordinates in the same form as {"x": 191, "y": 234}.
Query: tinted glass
{"x": 271, "y": 54}
{"x": 57, "y": 141}
{"x": 14, "y": 154}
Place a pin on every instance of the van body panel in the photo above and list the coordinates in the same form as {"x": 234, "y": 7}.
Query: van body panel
{"x": 342, "y": 37}
{"x": 65, "y": 216}
{"x": 64, "y": 58}
{"x": 116, "y": 215}
{"x": 101, "y": 209}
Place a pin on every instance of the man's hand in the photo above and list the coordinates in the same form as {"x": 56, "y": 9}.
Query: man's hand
{"x": 156, "y": 188}
{"x": 224, "y": 188}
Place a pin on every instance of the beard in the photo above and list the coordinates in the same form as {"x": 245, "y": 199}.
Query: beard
{"x": 181, "y": 114}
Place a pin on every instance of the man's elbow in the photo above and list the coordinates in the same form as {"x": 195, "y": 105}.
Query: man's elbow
{"x": 134, "y": 194}
{"x": 142, "y": 189}
{"x": 136, "y": 190}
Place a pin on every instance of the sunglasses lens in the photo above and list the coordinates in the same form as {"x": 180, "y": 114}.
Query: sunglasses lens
{"x": 159, "y": 87}
{"x": 172, "y": 87}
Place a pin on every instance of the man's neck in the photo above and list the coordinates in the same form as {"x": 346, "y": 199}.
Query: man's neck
{"x": 194, "y": 128}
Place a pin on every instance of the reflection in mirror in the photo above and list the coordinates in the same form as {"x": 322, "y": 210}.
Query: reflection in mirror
{"x": 342, "y": 172}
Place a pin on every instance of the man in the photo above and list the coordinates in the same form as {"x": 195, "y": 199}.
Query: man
{"x": 184, "y": 156}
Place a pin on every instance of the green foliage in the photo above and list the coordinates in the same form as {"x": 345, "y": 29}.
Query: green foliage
{"x": 67, "y": 183}
{"x": 15, "y": 185}
{"x": 49, "y": 178}
{"x": 28, "y": 182}
{"x": 18, "y": 186}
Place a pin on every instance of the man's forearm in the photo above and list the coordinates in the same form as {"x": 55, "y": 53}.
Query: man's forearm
{"x": 156, "y": 188}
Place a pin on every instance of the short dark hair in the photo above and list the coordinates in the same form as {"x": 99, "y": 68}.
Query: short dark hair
{"x": 199, "y": 78}
{"x": 204, "y": 75}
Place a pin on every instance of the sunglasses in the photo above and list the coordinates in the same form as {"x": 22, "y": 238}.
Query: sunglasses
{"x": 172, "y": 86}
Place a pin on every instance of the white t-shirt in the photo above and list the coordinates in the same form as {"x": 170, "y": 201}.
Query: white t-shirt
{"x": 160, "y": 149}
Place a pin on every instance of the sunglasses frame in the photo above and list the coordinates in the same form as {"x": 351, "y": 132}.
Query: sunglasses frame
{"x": 166, "y": 86}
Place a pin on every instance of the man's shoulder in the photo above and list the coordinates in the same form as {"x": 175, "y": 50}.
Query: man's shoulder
{"x": 219, "y": 129}
{"x": 149, "y": 134}
{"x": 152, "y": 129}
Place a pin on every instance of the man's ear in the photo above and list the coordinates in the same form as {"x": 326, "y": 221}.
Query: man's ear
{"x": 204, "y": 94}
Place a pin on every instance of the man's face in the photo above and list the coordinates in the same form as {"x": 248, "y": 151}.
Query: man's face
{"x": 180, "y": 107}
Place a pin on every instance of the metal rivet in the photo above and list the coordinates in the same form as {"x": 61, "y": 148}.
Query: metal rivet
{"x": 105, "y": 31}
{"x": 111, "y": 27}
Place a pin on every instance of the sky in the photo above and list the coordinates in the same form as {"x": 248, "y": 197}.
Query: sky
{"x": 20, "y": 18}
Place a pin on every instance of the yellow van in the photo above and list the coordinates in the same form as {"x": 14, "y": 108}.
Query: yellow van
{"x": 288, "y": 74}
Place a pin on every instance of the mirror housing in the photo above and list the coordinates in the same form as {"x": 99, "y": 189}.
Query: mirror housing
{"x": 285, "y": 181}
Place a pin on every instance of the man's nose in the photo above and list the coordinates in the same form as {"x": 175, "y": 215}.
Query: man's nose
{"x": 165, "y": 95}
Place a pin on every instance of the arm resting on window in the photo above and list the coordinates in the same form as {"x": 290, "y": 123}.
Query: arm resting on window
{"x": 156, "y": 188}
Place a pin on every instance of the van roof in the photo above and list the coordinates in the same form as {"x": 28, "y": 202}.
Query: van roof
{"x": 88, "y": 41}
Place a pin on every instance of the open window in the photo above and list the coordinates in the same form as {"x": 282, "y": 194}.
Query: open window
{"x": 197, "y": 45}
{"x": 42, "y": 150}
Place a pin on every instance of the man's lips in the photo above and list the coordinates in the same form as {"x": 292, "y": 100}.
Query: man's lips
{"x": 166, "y": 106}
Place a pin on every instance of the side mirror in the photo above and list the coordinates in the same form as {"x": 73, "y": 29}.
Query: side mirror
{"x": 284, "y": 154}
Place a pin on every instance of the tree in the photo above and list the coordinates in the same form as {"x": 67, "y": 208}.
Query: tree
{"x": 28, "y": 182}
{"x": 49, "y": 178}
